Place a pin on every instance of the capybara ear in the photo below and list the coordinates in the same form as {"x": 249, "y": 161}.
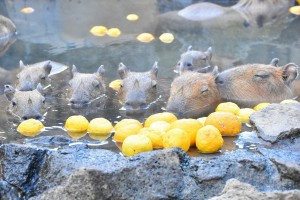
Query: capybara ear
{"x": 100, "y": 71}
{"x": 215, "y": 71}
{"x": 9, "y": 92}
{"x": 289, "y": 72}
{"x": 47, "y": 67}
{"x": 190, "y": 48}
{"x": 274, "y": 62}
{"x": 123, "y": 70}
{"x": 154, "y": 70}
{"x": 40, "y": 89}
{"x": 21, "y": 64}
{"x": 74, "y": 70}
{"x": 208, "y": 53}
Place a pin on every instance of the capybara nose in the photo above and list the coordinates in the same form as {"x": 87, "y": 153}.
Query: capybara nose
{"x": 37, "y": 117}
{"x": 135, "y": 105}
{"x": 219, "y": 80}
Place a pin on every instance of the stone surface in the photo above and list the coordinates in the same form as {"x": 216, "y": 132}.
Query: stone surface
{"x": 235, "y": 190}
{"x": 277, "y": 121}
{"x": 8, "y": 192}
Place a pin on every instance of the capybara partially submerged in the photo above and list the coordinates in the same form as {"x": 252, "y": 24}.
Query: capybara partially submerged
{"x": 25, "y": 104}
{"x": 194, "y": 94}
{"x": 194, "y": 60}
{"x": 85, "y": 87}
{"x": 138, "y": 89}
{"x": 251, "y": 84}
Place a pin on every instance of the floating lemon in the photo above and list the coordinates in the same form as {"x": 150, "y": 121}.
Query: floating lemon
{"x": 30, "y": 127}
{"x": 123, "y": 132}
{"x": 132, "y": 17}
{"x": 165, "y": 116}
{"x": 98, "y": 30}
{"x": 116, "y": 84}
{"x": 289, "y": 101}
{"x": 145, "y": 37}
{"x": 100, "y": 126}
{"x": 98, "y": 137}
{"x": 202, "y": 120}
{"x": 260, "y": 106}
{"x": 27, "y": 10}
{"x": 154, "y": 135}
{"x": 167, "y": 37}
{"x": 295, "y": 10}
{"x": 76, "y": 135}
{"x": 190, "y": 126}
{"x": 125, "y": 122}
{"x": 228, "y": 107}
{"x": 244, "y": 114}
{"x": 176, "y": 138}
{"x": 76, "y": 124}
{"x": 160, "y": 126}
{"x": 135, "y": 144}
{"x": 209, "y": 139}
{"x": 227, "y": 123}
{"x": 114, "y": 32}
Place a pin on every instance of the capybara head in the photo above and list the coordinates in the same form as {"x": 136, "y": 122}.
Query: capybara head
{"x": 251, "y": 84}
{"x": 193, "y": 60}
{"x": 138, "y": 89}
{"x": 194, "y": 94}
{"x": 85, "y": 87}
{"x": 25, "y": 104}
{"x": 31, "y": 75}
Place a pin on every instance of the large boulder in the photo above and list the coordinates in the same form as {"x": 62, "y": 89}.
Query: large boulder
{"x": 277, "y": 121}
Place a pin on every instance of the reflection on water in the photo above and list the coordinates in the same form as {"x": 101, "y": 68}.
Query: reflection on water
{"x": 59, "y": 31}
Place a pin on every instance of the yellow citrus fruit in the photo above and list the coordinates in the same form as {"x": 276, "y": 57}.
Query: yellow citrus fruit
{"x": 116, "y": 84}
{"x": 135, "y": 144}
{"x": 27, "y": 10}
{"x": 75, "y": 135}
{"x": 123, "y": 132}
{"x": 98, "y": 30}
{"x": 289, "y": 101}
{"x": 125, "y": 122}
{"x": 114, "y": 32}
{"x": 76, "y": 123}
{"x": 190, "y": 126}
{"x": 30, "y": 127}
{"x": 166, "y": 37}
{"x": 228, "y": 107}
{"x": 132, "y": 17}
{"x": 165, "y": 116}
{"x": 100, "y": 126}
{"x": 98, "y": 137}
{"x": 160, "y": 126}
{"x": 176, "y": 138}
{"x": 145, "y": 37}
{"x": 295, "y": 10}
{"x": 209, "y": 139}
{"x": 202, "y": 120}
{"x": 260, "y": 106}
{"x": 154, "y": 135}
{"x": 227, "y": 123}
{"x": 244, "y": 114}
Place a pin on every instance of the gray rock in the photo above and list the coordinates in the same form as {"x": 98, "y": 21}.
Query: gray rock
{"x": 277, "y": 121}
{"x": 8, "y": 192}
{"x": 235, "y": 190}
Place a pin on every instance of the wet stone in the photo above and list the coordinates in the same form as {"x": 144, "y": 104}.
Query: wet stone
{"x": 7, "y": 191}
{"x": 277, "y": 121}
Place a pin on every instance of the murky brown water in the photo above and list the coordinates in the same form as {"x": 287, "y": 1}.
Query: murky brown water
{"x": 59, "y": 31}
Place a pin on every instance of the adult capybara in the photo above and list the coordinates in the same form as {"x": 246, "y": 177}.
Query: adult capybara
{"x": 194, "y": 94}
{"x": 138, "y": 89}
{"x": 251, "y": 84}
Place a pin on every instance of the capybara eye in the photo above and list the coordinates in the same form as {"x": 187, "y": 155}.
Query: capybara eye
{"x": 43, "y": 77}
{"x": 13, "y": 103}
{"x": 178, "y": 63}
{"x": 189, "y": 64}
{"x": 262, "y": 76}
{"x": 43, "y": 101}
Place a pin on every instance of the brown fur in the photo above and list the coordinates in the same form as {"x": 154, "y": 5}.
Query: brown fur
{"x": 86, "y": 87}
{"x": 25, "y": 104}
{"x": 193, "y": 94}
{"x": 251, "y": 84}
{"x": 138, "y": 89}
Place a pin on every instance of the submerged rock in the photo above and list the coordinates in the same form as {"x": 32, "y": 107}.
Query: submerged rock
{"x": 277, "y": 121}
{"x": 235, "y": 189}
{"x": 7, "y": 191}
